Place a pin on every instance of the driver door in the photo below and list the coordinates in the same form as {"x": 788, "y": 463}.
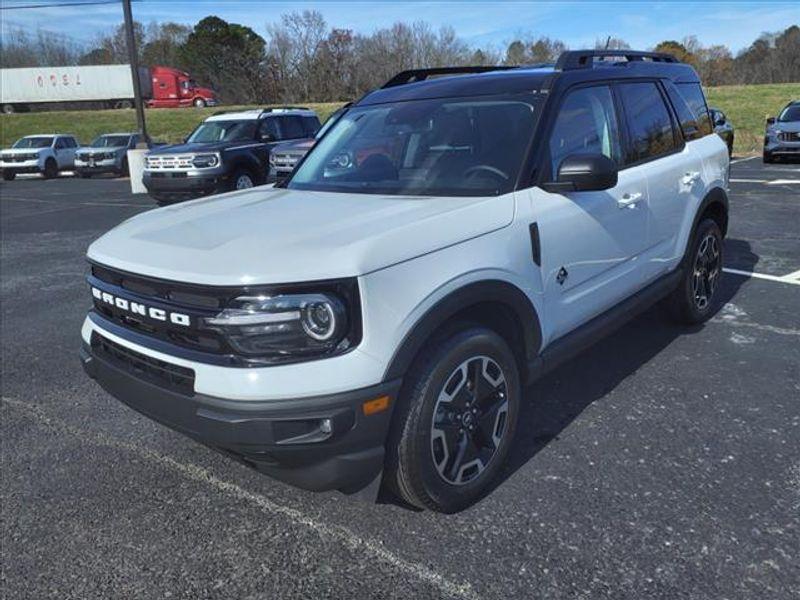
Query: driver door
{"x": 590, "y": 240}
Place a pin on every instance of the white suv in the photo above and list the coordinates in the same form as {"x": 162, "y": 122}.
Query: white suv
{"x": 375, "y": 318}
{"x": 45, "y": 154}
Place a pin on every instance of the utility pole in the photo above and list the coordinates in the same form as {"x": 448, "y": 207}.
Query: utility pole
{"x": 133, "y": 57}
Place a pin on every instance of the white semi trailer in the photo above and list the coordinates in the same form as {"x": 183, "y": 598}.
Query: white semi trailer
{"x": 109, "y": 86}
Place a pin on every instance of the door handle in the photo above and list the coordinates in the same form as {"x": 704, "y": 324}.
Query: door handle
{"x": 690, "y": 177}
{"x": 629, "y": 200}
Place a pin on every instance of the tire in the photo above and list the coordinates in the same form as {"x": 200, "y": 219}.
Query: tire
{"x": 242, "y": 179}
{"x": 9, "y": 176}
{"x": 730, "y": 149}
{"x": 84, "y": 175}
{"x": 8, "y": 109}
{"x": 695, "y": 298}
{"x": 422, "y": 466}
{"x": 163, "y": 199}
{"x": 767, "y": 158}
{"x": 124, "y": 104}
{"x": 50, "y": 169}
{"x": 124, "y": 171}
{"x": 199, "y": 103}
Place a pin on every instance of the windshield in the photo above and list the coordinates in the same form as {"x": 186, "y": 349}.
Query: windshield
{"x": 111, "y": 141}
{"x": 33, "y": 142}
{"x": 224, "y": 131}
{"x": 329, "y": 123}
{"x": 443, "y": 147}
{"x": 790, "y": 113}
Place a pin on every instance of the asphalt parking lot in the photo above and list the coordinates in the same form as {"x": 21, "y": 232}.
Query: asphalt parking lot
{"x": 662, "y": 463}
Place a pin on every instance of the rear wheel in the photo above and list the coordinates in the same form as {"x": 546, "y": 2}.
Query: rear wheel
{"x": 124, "y": 171}
{"x": 694, "y": 300}
{"x": 50, "y": 169}
{"x": 456, "y": 419}
{"x": 8, "y": 109}
{"x": 9, "y": 175}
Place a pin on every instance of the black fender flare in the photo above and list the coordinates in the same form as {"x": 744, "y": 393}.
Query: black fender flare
{"x": 248, "y": 161}
{"x": 459, "y": 300}
{"x": 716, "y": 196}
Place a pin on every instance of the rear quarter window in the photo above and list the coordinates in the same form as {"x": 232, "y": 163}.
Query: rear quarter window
{"x": 649, "y": 122}
{"x": 693, "y": 94}
{"x": 686, "y": 116}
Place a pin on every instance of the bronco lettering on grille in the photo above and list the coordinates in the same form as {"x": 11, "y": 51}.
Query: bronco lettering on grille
{"x": 136, "y": 308}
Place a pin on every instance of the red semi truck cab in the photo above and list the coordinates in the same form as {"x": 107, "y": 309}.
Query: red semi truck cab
{"x": 173, "y": 88}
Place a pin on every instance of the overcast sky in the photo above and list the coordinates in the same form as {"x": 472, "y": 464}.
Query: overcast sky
{"x": 642, "y": 24}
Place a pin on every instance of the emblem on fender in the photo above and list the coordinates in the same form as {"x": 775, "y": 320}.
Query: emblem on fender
{"x": 136, "y": 308}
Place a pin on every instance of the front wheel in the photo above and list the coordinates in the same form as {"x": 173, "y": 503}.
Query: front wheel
{"x": 9, "y": 175}
{"x": 767, "y": 157}
{"x": 242, "y": 180}
{"x": 456, "y": 419}
{"x": 694, "y": 300}
{"x": 50, "y": 169}
{"x": 199, "y": 103}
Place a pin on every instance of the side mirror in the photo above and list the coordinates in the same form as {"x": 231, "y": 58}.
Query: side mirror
{"x": 770, "y": 120}
{"x": 584, "y": 173}
{"x": 719, "y": 121}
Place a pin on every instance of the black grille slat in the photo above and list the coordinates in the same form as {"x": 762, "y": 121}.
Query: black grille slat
{"x": 164, "y": 374}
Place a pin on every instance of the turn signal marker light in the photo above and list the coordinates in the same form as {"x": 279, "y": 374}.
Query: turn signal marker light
{"x": 371, "y": 407}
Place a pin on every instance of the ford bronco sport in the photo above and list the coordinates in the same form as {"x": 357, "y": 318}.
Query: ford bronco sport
{"x": 458, "y": 232}
{"x": 227, "y": 151}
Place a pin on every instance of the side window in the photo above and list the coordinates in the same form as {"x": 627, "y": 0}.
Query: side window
{"x": 269, "y": 126}
{"x": 586, "y": 123}
{"x": 686, "y": 116}
{"x": 292, "y": 127}
{"x": 60, "y": 145}
{"x": 649, "y": 121}
{"x": 693, "y": 94}
{"x": 71, "y": 143}
{"x": 311, "y": 126}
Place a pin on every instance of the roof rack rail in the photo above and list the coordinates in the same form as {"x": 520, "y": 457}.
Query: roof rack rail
{"x": 287, "y": 107}
{"x": 584, "y": 59}
{"x": 415, "y": 75}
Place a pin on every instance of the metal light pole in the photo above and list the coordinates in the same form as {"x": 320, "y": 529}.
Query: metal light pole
{"x": 133, "y": 57}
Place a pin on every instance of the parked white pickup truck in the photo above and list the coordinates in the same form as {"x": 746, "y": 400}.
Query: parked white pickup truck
{"x": 45, "y": 154}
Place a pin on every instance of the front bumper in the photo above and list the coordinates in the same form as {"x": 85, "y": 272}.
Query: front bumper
{"x": 285, "y": 439}
{"x": 780, "y": 147}
{"x": 99, "y": 166}
{"x": 28, "y": 166}
{"x": 188, "y": 183}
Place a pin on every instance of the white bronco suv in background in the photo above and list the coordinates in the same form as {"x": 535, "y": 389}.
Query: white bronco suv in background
{"x": 375, "y": 318}
{"x": 45, "y": 154}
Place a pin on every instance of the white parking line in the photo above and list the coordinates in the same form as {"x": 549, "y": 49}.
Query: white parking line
{"x": 783, "y": 181}
{"x": 347, "y": 537}
{"x": 791, "y": 278}
{"x": 748, "y": 180}
{"x": 738, "y": 160}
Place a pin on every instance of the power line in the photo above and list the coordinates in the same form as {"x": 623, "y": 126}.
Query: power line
{"x": 59, "y": 4}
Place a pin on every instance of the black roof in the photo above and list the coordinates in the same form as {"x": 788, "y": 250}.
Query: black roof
{"x": 572, "y": 67}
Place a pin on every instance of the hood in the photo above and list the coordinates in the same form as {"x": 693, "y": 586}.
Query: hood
{"x": 793, "y": 126}
{"x": 269, "y": 235}
{"x": 194, "y": 148}
{"x": 99, "y": 149}
{"x": 205, "y": 92}
{"x": 295, "y": 146}
{"x": 23, "y": 150}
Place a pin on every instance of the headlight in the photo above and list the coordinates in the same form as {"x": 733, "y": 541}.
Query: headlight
{"x": 285, "y": 326}
{"x": 341, "y": 161}
{"x": 272, "y": 158}
{"x": 203, "y": 161}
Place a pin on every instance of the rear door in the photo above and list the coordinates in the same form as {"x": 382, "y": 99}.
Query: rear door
{"x": 590, "y": 241}
{"x": 673, "y": 170}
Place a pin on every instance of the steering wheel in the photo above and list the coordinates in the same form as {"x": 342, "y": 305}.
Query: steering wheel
{"x": 488, "y": 168}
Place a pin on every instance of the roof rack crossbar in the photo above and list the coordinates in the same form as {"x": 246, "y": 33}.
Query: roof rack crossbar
{"x": 584, "y": 59}
{"x": 259, "y": 110}
{"x": 415, "y": 75}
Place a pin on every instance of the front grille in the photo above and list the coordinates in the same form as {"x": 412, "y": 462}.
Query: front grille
{"x": 285, "y": 162}
{"x": 195, "y": 301}
{"x": 158, "y": 372}
{"x": 170, "y": 162}
{"x": 789, "y": 136}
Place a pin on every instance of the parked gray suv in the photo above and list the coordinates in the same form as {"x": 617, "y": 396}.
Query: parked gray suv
{"x": 782, "y": 136}
{"x": 106, "y": 154}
